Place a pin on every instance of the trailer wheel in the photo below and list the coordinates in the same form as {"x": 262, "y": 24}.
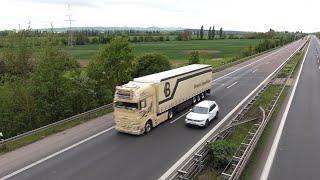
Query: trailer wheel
{"x": 202, "y": 95}
{"x": 198, "y": 98}
{"x": 194, "y": 100}
{"x": 170, "y": 114}
{"x": 148, "y": 127}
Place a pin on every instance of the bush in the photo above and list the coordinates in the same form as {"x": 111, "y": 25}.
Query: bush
{"x": 194, "y": 57}
{"x": 221, "y": 152}
{"x": 151, "y": 63}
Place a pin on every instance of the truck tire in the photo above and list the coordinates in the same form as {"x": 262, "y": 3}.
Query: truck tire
{"x": 148, "y": 127}
{"x": 203, "y": 95}
{"x": 170, "y": 114}
{"x": 198, "y": 98}
{"x": 194, "y": 100}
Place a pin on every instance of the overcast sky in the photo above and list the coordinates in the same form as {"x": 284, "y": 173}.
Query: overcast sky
{"x": 246, "y": 15}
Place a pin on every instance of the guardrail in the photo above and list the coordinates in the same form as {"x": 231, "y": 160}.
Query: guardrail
{"x": 194, "y": 163}
{"x": 6, "y": 141}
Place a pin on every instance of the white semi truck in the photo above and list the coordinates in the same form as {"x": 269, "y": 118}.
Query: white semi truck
{"x": 150, "y": 100}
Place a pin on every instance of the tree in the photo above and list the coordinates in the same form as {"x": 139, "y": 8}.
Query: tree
{"x": 151, "y": 63}
{"x": 111, "y": 66}
{"x": 201, "y": 32}
{"x": 209, "y": 33}
{"x": 220, "y": 33}
{"x": 194, "y": 57}
{"x": 17, "y": 55}
{"x": 50, "y": 87}
{"x": 221, "y": 152}
{"x": 213, "y": 33}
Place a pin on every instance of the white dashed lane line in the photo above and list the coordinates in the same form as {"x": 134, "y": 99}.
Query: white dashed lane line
{"x": 232, "y": 85}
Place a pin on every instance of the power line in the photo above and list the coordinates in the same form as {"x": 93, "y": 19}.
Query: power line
{"x": 70, "y": 20}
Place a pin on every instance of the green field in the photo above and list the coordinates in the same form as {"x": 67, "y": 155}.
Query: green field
{"x": 215, "y": 52}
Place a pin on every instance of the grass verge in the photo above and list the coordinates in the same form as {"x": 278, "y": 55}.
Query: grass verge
{"x": 45, "y": 133}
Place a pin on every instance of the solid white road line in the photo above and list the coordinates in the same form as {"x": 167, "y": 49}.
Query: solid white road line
{"x": 251, "y": 63}
{"x": 232, "y": 85}
{"x": 267, "y": 62}
{"x": 55, "y": 154}
{"x": 205, "y": 137}
{"x": 272, "y": 153}
{"x": 179, "y": 117}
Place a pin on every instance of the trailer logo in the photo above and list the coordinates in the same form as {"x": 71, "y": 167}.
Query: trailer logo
{"x": 167, "y": 90}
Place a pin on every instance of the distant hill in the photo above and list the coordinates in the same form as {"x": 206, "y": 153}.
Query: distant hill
{"x": 98, "y": 28}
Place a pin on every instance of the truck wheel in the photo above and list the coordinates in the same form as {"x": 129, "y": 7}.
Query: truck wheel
{"x": 198, "y": 98}
{"x": 194, "y": 100}
{"x": 148, "y": 127}
{"x": 170, "y": 114}
{"x": 202, "y": 95}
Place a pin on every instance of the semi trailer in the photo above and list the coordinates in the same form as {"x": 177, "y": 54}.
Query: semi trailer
{"x": 147, "y": 101}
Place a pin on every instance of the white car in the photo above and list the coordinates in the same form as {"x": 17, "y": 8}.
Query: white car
{"x": 203, "y": 113}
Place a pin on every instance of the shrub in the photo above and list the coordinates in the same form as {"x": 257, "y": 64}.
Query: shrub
{"x": 221, "y": 152}
{"x": 194, "y": 57}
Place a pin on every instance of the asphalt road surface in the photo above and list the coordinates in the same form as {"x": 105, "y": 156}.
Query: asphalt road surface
{"x": 297, "y": 156}
{"x": 113, "y": 155}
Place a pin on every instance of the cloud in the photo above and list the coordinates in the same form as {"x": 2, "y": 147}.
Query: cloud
{"x": 82, "y": 3}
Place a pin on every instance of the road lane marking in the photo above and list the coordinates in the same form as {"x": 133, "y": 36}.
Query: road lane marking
{"x": 254, "y": 70}
{"x": 184, "y": 157}
{"x": 232, "y": 85}
{"x": 252, "y": 62}
{"x": 267, "y": 62}
{"x": 55, "y": 154}
{"x": 179, "y": 117}
{"x": 273, "y": 150}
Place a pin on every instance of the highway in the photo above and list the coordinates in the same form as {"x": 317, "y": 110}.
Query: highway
{"x": 112, "y": 155}
{"x": 297, "y": 155}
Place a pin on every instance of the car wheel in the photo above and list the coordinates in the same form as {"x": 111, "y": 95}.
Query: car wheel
{"x": 207, "y": 123}
{"x": 148, "y": 127}
{"x": 217, "y": 115}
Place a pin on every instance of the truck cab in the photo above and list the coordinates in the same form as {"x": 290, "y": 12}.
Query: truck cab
{"x": 134, "y": 106}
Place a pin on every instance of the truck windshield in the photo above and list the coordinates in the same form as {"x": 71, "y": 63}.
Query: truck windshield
{"x": 126, "y": 105}
{"x": 200, "y": 110}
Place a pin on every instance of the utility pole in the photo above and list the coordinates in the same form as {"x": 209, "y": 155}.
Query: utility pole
{"x": 29, "y": 25}
{"x": 70, "y": 20}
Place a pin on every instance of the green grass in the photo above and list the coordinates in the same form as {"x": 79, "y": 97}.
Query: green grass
{"x": 45, "y": 133}
{"x": 214, "y": 52}
{"x": 290, "y": 65}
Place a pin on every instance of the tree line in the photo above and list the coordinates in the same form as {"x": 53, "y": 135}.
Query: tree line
{"x": 41, "y": 84}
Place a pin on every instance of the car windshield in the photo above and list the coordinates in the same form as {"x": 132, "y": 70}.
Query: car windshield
{"x": 200, "y": 110}
{"x": 126, "y": 105}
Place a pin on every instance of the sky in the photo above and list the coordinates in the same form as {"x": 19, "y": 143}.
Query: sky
{"x": 242, "y": 15}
